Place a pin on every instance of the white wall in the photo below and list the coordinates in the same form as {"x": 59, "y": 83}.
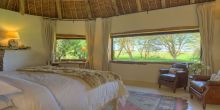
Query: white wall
{"x": 71, "y": 27}
{"x": 171, "y": 17}
{"x": 29, "y": 28}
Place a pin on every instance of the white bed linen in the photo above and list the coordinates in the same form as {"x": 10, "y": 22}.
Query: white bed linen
{"x": 70, "y": 94}
{"x": 33, "y": 96}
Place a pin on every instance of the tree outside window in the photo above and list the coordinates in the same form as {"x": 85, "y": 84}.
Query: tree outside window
{"x": 168, "y": 47}
{"x": 71, "y": 49}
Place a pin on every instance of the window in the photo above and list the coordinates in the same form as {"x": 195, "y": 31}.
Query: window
{"x": 70, "y": 47}
{"x": 179, "y": 46}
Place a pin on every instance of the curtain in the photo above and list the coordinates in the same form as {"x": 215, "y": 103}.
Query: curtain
{"x": 206, "y": 20}
{"x": 217, "y": 9}
{"x": 49, "y": 36}
{"x": 106, "y": 26}
{"x": 90, "y": 38}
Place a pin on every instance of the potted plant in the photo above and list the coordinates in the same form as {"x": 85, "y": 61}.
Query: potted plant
{"x": 197, "y": 68}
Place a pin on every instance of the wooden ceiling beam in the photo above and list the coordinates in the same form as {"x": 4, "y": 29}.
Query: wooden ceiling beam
{"x": 81, "y": 11}
{"x": 149, "y": 7}
{"x": 129, "y": 7}
{"x": 192, "y": 1}
{"x": 58, "y": 7}
{"x": 139, "y": 8}
{"x": 100, "y": 11}
{"x": 48, "y": 7}
{"x": 71, "y": 11}
{"x": 35, "y": 7}
{"x": 21, "y": 7}
{"x": 8, "y": 3}
{"x": 15, "y": 5}
{"x": 88, "y": 9}
{"x": 28, "y": 6}
{"x": 106, "y": 9}
{"x": 163, "y": 3}
{"x": 115, "y": 7}
{"x": 76, "y": 13}
{"x": 41, "y": 8}
{"x": 122, "y": 6}
{"x": 155, "y": 2}
{"x": 63, "y": 9}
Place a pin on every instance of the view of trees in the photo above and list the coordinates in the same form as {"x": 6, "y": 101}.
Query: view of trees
{"x": 182, "y": 47}
{"x": 164, "y": 47}
{"x": 71, "y": 49}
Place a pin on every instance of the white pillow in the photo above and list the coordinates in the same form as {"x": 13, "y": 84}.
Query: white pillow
{"x": 215, "y": 77}
{"x": 7, "y": 89}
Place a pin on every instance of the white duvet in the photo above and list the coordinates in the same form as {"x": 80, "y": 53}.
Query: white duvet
{"x": 56, "y": 92}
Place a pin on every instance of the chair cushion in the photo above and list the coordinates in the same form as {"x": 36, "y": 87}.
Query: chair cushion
{"x": 174, "y": 70}
{"x": 168, "y": 77}
{"x": 180, "y": 65}
{"x": 198, "y": 85}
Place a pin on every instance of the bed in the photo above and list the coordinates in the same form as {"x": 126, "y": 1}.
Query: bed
{"x": 42, "y": 89}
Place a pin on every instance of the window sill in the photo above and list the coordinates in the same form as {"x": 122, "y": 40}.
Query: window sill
{"x": 143, "y": 63}
{"x": 18, "y": 48}
{"x": 70, "y": 62}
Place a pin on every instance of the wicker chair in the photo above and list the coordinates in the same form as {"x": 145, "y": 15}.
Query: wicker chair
{"x": 174, "y": 81}
{"x": 207, "y": 91}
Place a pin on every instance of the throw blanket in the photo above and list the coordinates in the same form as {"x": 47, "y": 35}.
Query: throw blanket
{"x": 93, "y": 78}
{"x": 5, "y": 103}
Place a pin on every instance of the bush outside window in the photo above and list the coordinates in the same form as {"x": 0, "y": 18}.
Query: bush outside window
{"x": 71, "y": 49}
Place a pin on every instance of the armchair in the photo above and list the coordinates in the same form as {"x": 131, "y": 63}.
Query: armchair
{"x": 175, "y": 80}
{"x": 207, "y": 91}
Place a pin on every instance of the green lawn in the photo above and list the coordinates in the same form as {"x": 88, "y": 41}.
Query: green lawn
{"x": 158, "y": 57}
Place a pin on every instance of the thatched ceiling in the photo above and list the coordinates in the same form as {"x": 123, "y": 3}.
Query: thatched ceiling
{"x": 89, "y": 9}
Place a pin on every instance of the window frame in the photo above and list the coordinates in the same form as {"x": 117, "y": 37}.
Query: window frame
{"x": 170, "y": 30}
{"x": 68, "y": 36}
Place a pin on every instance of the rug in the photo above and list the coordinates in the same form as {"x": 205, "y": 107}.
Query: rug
{"x": 147, "y": 101}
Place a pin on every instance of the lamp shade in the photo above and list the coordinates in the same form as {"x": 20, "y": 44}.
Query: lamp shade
{"x": 10, "y": 34}
{"x": 6, "y": 36}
